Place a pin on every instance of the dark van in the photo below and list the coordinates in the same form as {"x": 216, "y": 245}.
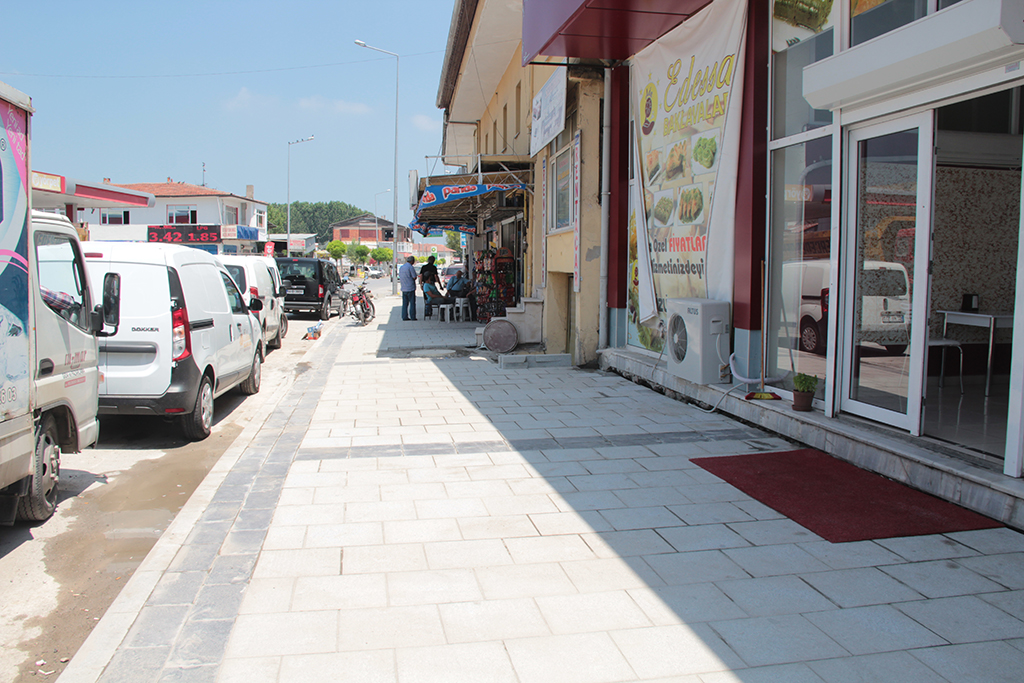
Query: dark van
{"x": 311, "y": 285}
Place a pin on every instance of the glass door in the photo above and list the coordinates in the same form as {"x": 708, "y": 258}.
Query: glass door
{"x": 888, "y": 193}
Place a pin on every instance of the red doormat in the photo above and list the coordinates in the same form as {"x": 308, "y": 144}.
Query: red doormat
{"x": 839, "y": 501}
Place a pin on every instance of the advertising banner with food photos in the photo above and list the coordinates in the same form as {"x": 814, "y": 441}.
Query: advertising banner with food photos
{"x": 687, "y": 91}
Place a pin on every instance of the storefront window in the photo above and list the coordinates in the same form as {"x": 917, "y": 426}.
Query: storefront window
{"x": 562, "y": 190}
{"x": 872, "y": 18}
{"x": 800, "y": 269}
{"x": 802, "y": 34}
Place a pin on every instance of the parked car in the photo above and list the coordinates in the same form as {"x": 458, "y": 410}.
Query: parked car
{"x": 259, "y": 277}
{"x": 186, "y": 335}
{"x": 884, "y": 318}
{"x": 374, "y": 272}
{"x": 311, "y": 285}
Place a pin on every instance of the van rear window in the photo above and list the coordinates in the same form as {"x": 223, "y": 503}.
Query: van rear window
{"x": 883, "y": 282}
{"x": 238, "y": 275}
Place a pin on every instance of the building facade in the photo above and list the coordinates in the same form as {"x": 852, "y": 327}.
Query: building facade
{"x": 845, "y": 176}
{"x": 213, "y": 220}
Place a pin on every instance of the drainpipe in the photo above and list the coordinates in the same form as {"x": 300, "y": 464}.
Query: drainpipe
{"x": 606, "y": 153}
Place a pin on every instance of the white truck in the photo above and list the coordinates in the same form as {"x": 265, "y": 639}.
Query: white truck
{"x": 49, "y": 323}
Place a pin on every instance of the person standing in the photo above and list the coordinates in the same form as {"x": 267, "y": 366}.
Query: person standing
{"x": 428, "y": 269}
{"x": 407, "y": 280}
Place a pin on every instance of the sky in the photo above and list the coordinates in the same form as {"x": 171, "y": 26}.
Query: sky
{"x": 142, "y": 91}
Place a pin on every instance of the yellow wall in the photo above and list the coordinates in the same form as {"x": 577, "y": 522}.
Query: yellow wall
{"x": 561, "y": 246}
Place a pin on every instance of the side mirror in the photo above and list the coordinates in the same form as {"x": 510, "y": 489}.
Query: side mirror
{"x": 283, "y": 291}
{"x": 110, "y": 311}
{"x": 255, "y": 305}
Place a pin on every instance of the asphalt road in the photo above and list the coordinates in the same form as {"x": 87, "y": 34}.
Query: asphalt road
{"x": 116, "y": 500}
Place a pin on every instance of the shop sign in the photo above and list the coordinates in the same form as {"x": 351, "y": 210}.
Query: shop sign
{"x": 548, "y": 111}
{"x": 686, "y": 100}
{"x": 576, "y": 211}
{"x": 48, "y": 182}
{"x": 229, "y": 232}
{"x": 544, "y": 222}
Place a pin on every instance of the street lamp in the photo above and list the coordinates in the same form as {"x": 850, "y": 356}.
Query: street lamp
{"x": 288, "y": 219}
{"x": 376, "y": 227}
{"x": 394, "y": 214}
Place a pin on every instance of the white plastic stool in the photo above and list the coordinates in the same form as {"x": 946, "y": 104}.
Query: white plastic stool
{"x": 462, "y": 310}
{"x": 447, "y": 311}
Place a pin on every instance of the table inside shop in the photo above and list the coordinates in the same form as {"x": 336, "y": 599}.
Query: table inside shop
{"x": 992, "y": 321}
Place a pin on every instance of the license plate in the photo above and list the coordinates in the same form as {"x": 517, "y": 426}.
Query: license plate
{"x": 892, "y": 317}
{"x": 296, "y": 291}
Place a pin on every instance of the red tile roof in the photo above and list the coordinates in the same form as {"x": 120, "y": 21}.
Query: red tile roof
{"x": 179, "y": 189}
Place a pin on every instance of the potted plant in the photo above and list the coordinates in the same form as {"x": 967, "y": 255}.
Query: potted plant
{"x": 804, "y": 387}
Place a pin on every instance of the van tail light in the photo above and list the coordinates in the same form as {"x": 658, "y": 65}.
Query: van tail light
{"x": 181, "y": 335}
{"x": 253, "y": 292}
{"x": 824, "y": 302}
{"x": 320, "y": 292}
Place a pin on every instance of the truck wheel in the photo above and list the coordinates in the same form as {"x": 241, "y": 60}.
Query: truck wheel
{"x": 199, "y": 422}
{"x": 325, "y": 312}
{"x": 896, "y": 349}
{"x": 41, "y": 500}
{"x": 251, "y": 385}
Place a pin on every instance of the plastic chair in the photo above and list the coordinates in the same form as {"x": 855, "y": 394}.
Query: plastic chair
{"x": 946, "y": 343}
{"x": 447, "y": 312}
{"x": 462, "y": 310}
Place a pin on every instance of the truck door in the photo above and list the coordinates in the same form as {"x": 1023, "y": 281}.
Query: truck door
{"x": 66, "y": 359}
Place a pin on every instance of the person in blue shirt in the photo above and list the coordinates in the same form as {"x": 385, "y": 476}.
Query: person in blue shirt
{"x": 407, "y": 280}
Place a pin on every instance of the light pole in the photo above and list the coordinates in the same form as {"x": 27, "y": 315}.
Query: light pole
{"x": 376, "y": 227}
{"x": 394, "y": 214}
{"x": 288, "y": 219}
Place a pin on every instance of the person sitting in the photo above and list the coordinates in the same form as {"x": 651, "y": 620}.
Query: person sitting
{"x": 431, "y": 292}
{"x": 460, "y": 287}
{"x": 457, "y": 285}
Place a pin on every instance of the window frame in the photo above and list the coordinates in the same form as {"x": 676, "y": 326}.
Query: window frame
{"x": 193, "y": 214}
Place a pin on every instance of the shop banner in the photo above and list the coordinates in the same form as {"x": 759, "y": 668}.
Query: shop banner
{"x": 687, "y": 95}
{"x": 435, "y": 195}
{"x": 549, "y": 111}
{"x": 427, "y": 229}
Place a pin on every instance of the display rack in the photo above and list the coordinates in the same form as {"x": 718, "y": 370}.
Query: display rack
{"x": 494, "y": 271}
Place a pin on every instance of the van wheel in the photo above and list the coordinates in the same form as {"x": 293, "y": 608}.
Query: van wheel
{"x": 251, "y": 385}
{"x": 199, "y": 422}
{"x": 896, "y": 349}
{"x": 41, "y": 500}
{"x": 275, "y": 343}
{"x": 810, "y": 339}
{"x": 325, "y": 312}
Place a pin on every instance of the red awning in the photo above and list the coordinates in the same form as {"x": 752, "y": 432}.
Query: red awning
{"x": 599, "y": 29}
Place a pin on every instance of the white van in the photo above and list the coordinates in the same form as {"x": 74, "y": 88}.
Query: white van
{"x": 186, "y": 335}
{"x": 258, "y": 276}
{"x": 884, "y": 317}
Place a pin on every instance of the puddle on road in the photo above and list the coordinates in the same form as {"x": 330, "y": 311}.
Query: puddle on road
{"x": 114, "y": 526}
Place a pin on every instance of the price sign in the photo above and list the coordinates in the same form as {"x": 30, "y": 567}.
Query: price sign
{"x": 184, "y": 234}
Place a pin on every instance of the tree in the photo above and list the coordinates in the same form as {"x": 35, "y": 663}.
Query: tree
{"x": 453, "y": 240}
{"x": 307, "y": 217}
{"x": 382, "y": 255}
{"x": 358, "y": 253}
{"x": 337, "y": 249}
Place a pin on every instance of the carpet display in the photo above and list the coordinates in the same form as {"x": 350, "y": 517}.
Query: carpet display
{"x": 839, "y": 501}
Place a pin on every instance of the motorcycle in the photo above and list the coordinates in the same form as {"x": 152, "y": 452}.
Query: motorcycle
{"x": 345, "y": 296}
{"x": 362, "y": 304}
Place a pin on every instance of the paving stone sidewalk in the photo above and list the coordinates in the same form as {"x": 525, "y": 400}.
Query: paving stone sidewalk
{"x": 440, "y": 519}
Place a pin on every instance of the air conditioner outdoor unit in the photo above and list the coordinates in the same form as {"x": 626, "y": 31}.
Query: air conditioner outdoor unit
{"x": 694, "y": 328}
